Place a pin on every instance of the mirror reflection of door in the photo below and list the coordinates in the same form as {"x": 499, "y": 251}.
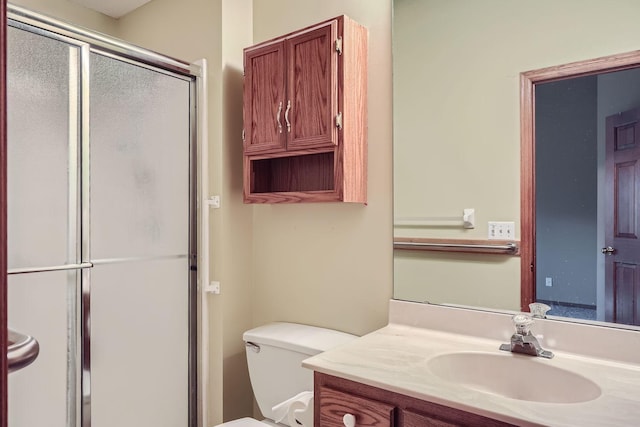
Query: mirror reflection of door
{"x": 622, "y": 265}
{"x": 587, "y": 196}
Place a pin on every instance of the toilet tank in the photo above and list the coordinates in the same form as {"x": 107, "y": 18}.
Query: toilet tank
{"x": 274, "y": 355}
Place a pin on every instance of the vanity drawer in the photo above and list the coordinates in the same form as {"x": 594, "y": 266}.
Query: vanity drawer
{"x": 375, "y": 407}
{"x": 336, "y": 404}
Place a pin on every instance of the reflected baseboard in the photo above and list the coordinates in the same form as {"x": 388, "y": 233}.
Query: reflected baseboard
{"x": 571, "y": 310}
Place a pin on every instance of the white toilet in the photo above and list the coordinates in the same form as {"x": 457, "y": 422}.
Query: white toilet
{"x": 274, "y": 355}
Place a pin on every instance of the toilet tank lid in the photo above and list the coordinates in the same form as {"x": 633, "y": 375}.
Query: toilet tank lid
{"x": 304, "y": 339}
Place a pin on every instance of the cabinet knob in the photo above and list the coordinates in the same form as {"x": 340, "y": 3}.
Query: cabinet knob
{"x": 349, "y": 420}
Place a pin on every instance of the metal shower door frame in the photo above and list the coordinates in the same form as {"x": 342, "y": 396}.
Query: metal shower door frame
{"x": 87, "y": 42}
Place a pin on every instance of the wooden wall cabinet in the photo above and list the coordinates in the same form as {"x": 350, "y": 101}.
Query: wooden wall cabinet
{"x": 305, "y": 116}
{"x": 371, "y": 406}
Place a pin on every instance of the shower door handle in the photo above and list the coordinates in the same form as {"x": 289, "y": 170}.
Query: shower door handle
{"x": 43, "y": 269}
{"x": 22, "y": 350}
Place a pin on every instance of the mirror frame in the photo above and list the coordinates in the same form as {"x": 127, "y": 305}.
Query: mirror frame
{"x": 528, "y": 82}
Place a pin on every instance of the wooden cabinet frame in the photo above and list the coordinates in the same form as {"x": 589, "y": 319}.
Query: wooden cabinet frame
{"x": 305, "y": 116}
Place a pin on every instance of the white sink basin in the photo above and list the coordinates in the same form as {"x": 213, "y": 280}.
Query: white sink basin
{"x": 514, "y": 376}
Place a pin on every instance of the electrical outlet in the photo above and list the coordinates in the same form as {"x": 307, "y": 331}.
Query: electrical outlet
{"x": 502, "y": 230}
{"x": 548, "y": 281}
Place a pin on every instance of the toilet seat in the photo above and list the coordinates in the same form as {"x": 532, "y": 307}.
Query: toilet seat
{"x": 247, "y": 422}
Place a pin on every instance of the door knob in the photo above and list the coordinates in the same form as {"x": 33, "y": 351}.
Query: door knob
{"x": 608, "y": 250}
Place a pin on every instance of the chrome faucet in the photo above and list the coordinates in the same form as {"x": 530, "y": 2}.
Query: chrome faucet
{"x": 523, "y": 341}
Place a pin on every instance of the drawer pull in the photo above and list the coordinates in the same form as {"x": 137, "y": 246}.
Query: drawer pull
{"x": 286, "y": 116}
{"x": 278, "y": 117}
{"x": 349, "y": 420}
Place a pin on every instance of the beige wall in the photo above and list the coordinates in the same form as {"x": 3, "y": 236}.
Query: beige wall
{"x": 330, "y": 264}
{"x": 64, "y": 10}
{"x": 457, "y": 140}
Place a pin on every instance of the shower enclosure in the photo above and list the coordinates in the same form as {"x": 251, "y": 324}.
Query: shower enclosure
{"x": 101, "y": 229}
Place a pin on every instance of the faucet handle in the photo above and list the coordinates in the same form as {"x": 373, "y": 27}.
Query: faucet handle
{"x": 539, "y": 309}
{"x": 522, "y": 323}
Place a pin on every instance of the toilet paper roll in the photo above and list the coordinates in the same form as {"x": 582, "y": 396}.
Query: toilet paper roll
{"x": 282, "y": 410}
{"x": 301, "y": 413}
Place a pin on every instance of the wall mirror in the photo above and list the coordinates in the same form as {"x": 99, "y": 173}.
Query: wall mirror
{"x": 561, "y": 135}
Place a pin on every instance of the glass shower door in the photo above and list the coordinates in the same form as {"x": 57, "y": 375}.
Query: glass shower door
{"x": 100, "y": 234}
{"x": 140, "y": 176}
{"x": 43, "y": 223}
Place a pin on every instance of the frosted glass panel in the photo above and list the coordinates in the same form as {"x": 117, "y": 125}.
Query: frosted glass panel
{"x": 139, "y": 161}
{"x": 38, "y": 307}
{"x": 38, "y": 149}
{"x": 139, "y": 345}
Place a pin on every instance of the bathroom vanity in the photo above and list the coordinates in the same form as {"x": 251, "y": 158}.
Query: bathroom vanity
{"x": 442, "y": 366}
{"x": 375, "y": 406}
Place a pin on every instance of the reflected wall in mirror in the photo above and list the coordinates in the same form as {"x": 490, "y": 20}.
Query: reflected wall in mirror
{"x": 457, "y": 76}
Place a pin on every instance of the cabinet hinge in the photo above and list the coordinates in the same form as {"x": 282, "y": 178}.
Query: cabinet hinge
{"x": 242, "y": 135}
{"x": 339, "y": 121}
{"x": 339, "y": 45}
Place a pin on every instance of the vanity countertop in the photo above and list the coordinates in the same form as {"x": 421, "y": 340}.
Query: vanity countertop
{"x": 396, "y": 358}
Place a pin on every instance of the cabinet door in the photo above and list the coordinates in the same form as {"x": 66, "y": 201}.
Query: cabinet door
{"x": 264, "y": 99}
{"x": 335, "y": 405}
{"x": 312, "y": 88}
